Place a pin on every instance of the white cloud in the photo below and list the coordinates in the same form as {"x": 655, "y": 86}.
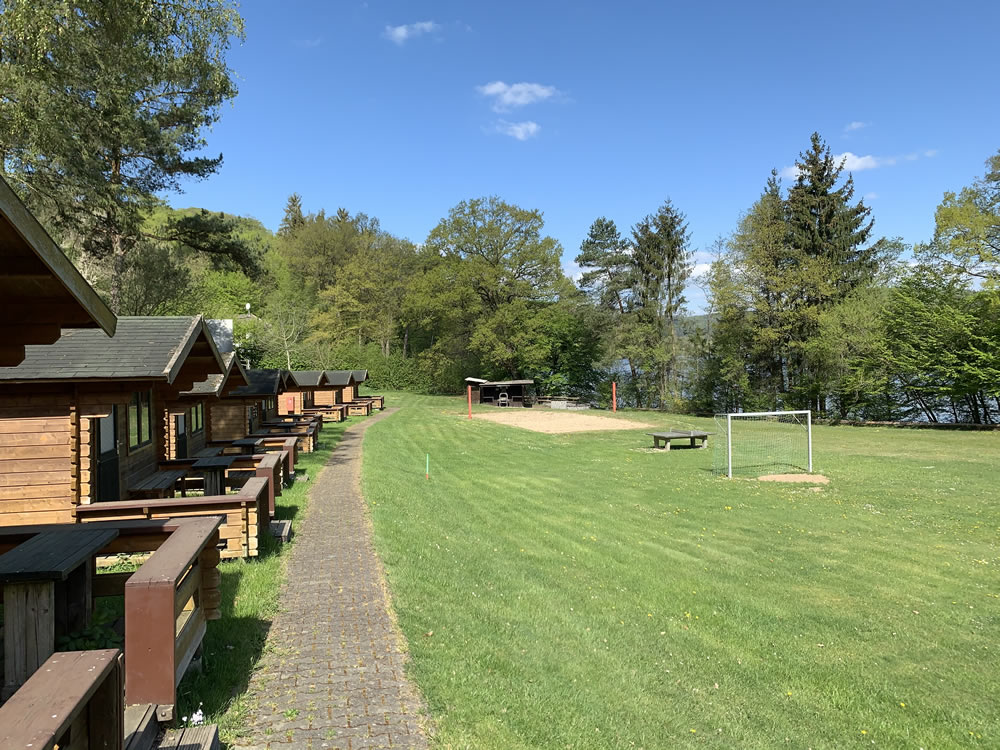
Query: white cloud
{"x": 855, "y": 125}
{"x": 508, "y": 96}
{"x": 855, "y": 163}
{"x": 399, "y": 34}
{"x": 700, "y": 269}
{"x": 520, "y": 130}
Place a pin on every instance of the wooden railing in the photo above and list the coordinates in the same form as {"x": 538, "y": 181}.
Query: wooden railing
{"x": 73, "y": 702}
{"x": 274, "y": 467}
{"x": 168, "y": 603}
{"x": 246, "y": 514}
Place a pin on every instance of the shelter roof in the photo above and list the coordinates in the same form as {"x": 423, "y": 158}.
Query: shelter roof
{"x": 508, "y": 382}
{"x": 143, "y": 348}
{"x": 41, "y": 291}
{"x": 360, "y": 376}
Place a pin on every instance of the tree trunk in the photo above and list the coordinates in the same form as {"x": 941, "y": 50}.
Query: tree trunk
{"x": 406, "y": 341}
{"x": 117, "y": 272}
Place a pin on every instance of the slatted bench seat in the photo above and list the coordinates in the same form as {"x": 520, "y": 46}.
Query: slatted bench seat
{"x": 160, "y": 484}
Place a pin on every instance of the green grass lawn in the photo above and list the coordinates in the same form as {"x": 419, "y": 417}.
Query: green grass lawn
{"x": 250, "y": 588}
{"x": 578, "y": 591}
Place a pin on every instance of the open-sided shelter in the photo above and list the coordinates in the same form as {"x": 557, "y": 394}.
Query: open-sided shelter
{"x": 502, "y": 392}
{"x": 41, "y": 292}
{"x": 85, "y": 417}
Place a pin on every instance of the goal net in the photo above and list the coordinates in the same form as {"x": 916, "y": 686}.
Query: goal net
{"x": 771, "y": 442}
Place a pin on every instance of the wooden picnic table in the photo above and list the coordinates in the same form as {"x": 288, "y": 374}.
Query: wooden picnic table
{"x": 47, "y": 591}
{"x": 159, "y": 484}
{"x": 666, "y": 437}
{"x": 214, "y": 470}
{"x": 248, "y": 444}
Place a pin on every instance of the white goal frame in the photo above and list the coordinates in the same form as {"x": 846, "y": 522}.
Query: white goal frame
{"x": 729, "y": 432}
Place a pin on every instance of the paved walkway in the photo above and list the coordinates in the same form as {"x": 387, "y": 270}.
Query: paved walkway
{"x": 332, "y": 671}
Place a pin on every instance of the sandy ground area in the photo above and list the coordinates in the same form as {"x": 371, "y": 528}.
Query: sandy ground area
{"x": 808, "y": 478}
{"x": 555, "y": 422}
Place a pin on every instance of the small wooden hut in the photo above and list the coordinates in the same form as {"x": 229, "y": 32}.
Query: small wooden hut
{"x": 240, "y": 411}
{"x": 301, "y": 389}
{"x": 89, "y": 414}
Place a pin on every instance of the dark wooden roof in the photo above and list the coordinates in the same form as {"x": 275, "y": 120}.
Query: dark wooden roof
{"x": 41, "y": 292}
{"x": 216, "y": 385}
{"x": 143, "y": 348}
{"x": 308, "y": 378}
{"x": 360, "y": 376}
{"x": 340, "y": 377}
{"x": 259, "y": 383}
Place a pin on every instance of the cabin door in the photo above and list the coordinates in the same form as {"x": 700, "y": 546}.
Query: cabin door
{"x": 107, "y": 458}
{"x": 180, "y": 430}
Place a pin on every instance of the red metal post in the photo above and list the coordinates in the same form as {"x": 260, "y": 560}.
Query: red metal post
{"x": 469, "y": 389}
{"x": 614, "y": 396}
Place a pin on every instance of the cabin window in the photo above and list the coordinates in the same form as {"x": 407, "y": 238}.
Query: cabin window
{"x": 140, "y": 419}
{"x": 198, "y": 418}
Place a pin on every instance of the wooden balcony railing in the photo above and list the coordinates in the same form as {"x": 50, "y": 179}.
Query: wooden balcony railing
{"x": 168, "y": 603}
{"x": 74, "y": 701}
{"x": 246, "y": 514}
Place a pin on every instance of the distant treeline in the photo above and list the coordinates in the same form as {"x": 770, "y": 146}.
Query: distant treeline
{"x": 807, "y": 308}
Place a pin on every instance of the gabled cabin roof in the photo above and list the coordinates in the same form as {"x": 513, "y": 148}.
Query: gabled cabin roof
{"x": 216, "y": 385}
{"x": 308, "y": 378}
{"x": 360, "y": 376}
{"x": 41, "y": 292}
{"x": 259, "y": 383}
{"x": 143, "y": 348}
{"x": 340, "y": 378}
{"x": 507, "y": 382}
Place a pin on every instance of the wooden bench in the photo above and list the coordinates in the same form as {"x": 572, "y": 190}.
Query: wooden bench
{"x": 332, "y": 413}
{"x": 46, "y": 582}
{"x": 159, "y": 484}
{"x": 378, "y": 402}
{"x": 75, "y": 700}
{"x": 666, "y": 437}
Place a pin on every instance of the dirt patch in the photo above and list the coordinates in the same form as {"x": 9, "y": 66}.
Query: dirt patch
{"x": 557, "y": 422}
{"x": 807, "y": 478}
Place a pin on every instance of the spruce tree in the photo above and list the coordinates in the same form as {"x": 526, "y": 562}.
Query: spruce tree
{"x": 293, "y": 218}
{"x": 824, "y": 226}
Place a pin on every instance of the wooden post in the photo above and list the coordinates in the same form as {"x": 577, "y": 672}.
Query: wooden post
{"x": 614, "y": 396}
{"x": 469, "y": 390}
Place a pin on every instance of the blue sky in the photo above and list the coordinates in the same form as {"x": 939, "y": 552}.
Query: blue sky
{"x": 584, "y": 109}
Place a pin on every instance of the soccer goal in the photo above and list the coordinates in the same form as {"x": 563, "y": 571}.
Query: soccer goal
{"x": 776, "y": 442}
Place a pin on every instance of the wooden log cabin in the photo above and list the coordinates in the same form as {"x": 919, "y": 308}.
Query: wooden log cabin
{"x": 85, "y": 417}
{"x": 194, "y": 409}
{"x": 300, "y": 391}
{"x": 237, "y": 413}
{"x": 41, "y": 292}
{"x": 340, "y": 390}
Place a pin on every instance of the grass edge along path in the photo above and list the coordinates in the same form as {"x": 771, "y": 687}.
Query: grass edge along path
{"x": 250, "y": 587}
{"x": 580, "y": 590}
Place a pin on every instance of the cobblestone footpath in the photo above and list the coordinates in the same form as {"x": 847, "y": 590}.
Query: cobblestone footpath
{"x": 332, "y": 672}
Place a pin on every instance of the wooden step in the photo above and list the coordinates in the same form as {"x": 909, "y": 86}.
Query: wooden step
{"x": 281, "y": 530}
{"x": 193, "y": 738}
{"x": 141, "y": 727}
